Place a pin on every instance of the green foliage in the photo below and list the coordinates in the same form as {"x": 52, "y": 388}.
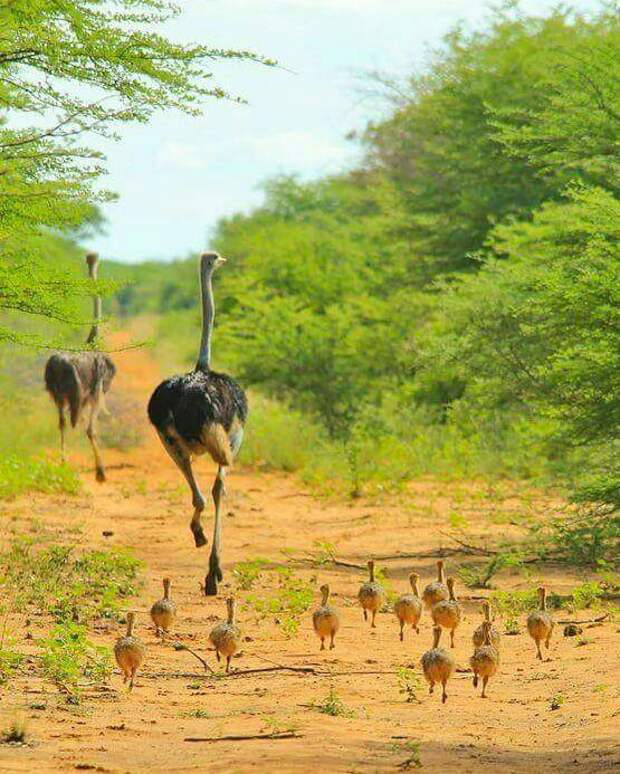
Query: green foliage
{"x": 68, "y": 587}
{"x": 69, "y": 70}
{"x": 291, "y": 600}
{"x": 556, "y": 702}
{"x": 333, "y": 705}
{"x": 586, "y": 595}
{"x": 410, "y": 747}
{"x": 19, "y": 475}
{"x": 408, "y": 684}
{"x": 477, "y": 576}
{"x": 16, "y": 732}
{"x": 247, "y": 573}
{"x": 450, "y": 306}
{"x": 68, "y": 656}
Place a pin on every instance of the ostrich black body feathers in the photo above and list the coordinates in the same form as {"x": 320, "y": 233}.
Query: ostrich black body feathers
{"x": 73, "y": 380}
{"x": 197, "y": 399}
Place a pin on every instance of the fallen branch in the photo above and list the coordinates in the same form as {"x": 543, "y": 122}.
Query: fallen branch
{"x": 181, "y": 646}
{"x": 434, "y": 553}
{"x": 470, "y": 549}
{"x": 257, "y": 670}
{"x": 587, "y": 620}
{"x": 244, "y": 737}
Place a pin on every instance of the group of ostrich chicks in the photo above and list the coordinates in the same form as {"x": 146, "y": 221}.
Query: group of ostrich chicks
{"x": 438, "y": 597}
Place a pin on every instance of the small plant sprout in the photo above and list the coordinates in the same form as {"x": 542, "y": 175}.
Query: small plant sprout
{"x": 16, "y": 732}
{"x": 408, "y": 684}
{"x": 333, "y": 705}
{"x": 556, "y": 702}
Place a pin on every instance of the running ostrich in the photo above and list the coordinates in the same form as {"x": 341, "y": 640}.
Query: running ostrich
{"x": 199, "y": 412}
{"x": 77, "y": 382}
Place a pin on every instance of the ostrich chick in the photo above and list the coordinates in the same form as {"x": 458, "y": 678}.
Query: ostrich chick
{"x": 478, "y": 635}
{"x": 485, "y": 659}
{"x": 437, "y": 590}
{"x": 540, "y": 624}
{"x": 447, "y": 613}
{"x": 326, "y": 620}
{"x": 371, "y": 595}
{"x": 226, "y": 637}
{"x": 437, "y": 665}
{"x": 163, "y": 611}
{"x": 408, "y": 608}
{"x": 129, "y": 652}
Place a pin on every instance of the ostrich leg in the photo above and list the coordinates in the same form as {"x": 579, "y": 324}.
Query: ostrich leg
{"x": 182, "y": 459}
{"x": 91, "y": 432}
{"x": 215, "y": 572}
{"x": 61, "y": 426}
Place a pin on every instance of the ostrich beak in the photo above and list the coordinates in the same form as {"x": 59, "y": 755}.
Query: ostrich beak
{"x": 219, "y": 261}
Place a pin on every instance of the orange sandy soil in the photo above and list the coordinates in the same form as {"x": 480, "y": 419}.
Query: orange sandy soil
{"x": 146, "y": 507}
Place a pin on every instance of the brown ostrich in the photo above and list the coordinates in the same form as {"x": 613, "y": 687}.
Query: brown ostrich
{"x": 202, "y": 412}
{"x": 77, "y": 382}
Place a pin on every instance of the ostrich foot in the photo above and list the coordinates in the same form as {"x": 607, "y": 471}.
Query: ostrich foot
{"x": 210, "y": 586}
{"x": 100, "y": 475}
{"x": 214, "y": 576}
{"x": 199, "y": 535}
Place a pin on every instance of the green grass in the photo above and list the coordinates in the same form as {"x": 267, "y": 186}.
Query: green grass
{"x": 19, "y": 475}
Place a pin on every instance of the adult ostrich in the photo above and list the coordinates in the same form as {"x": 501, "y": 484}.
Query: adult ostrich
{"x": 77, "y": 382}
{"x": 198, "y": 412}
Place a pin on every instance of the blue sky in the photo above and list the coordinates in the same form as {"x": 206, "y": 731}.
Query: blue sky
{"x": 178, "y": 175}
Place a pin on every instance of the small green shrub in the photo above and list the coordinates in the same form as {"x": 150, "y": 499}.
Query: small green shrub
{"x": 52, "y": 580}
{"x": 479, "y": 576}
{"x": 31, "y": 474}
{"x": 556, "y": 702}
{"x": 68, "y": 656}
{"x": 411, "y": 747}
{"x": 16, "y": 732}
{"x": 333, "y": 705}
{"x": 10, "y": 661}
{"x": 586, "y": 595}
{"x": 291, "y": 600}
{"x": 247, "y": 573}
{"x": 408, "y": 684}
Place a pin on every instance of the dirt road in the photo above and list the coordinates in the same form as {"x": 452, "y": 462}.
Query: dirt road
{"x": 146, "y": 507}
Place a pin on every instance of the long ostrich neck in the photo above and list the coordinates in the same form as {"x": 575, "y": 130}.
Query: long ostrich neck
{"x": 94, "y": 331}
{"x": 208, "y": 315}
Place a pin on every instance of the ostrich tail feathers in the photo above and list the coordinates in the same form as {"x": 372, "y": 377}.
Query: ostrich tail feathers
{"x": 215, "y": 439}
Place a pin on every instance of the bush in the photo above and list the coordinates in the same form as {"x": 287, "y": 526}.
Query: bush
{"x": 68, "y": 656}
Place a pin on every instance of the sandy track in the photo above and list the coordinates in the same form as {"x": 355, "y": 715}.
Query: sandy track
{"x": 145, "y": 505}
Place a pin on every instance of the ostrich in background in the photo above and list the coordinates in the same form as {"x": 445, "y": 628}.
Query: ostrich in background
{"x": 77, "y": 382}
{"x": 202, "y": 412}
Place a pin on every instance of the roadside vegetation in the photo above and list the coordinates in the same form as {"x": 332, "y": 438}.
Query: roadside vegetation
{"x": 449, "y": 306}
{"x": 52, "y": 593}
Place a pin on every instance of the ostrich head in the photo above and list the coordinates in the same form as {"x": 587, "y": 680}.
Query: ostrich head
{"x": 209, "y": 261}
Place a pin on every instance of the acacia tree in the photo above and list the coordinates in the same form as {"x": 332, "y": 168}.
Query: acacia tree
{"x": 70, "y": 69}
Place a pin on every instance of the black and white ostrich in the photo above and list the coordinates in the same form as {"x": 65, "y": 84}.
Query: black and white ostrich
{"x": 202, "y": 412}
{"x": 77, "y": 382}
